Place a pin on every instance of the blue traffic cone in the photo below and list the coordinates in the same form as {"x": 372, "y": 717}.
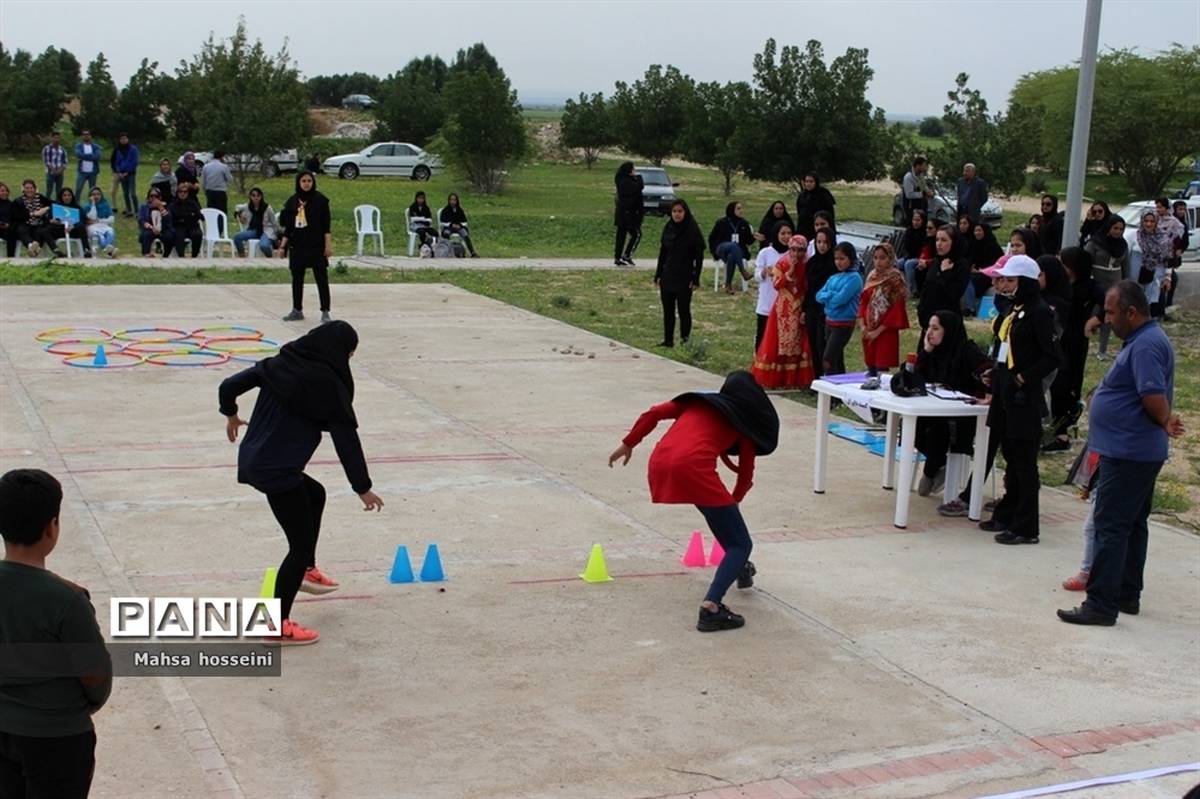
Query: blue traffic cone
{"x": 101, "y": 359}
{"x": 401, "y": 567}
{"x": 431, "y": 569}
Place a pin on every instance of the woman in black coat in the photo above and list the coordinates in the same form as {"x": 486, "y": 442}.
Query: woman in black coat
{"x": 1086, "y": 299}
{"x": 185, "y": 220}
{"x": 777, "y": 213}
{"x": 1050, "y": 232}
{"x": 730, "y": 241}
{"x": 453, "y": 221}
{"x": 1028, "y": 353}
{"x": 946, "y": 278}
{"x": 308, "y": 242}
{"x": 10, "y": 220}
{"x": 629, "y": 212}
{"x": 680, "y": 259}
{"x": 813, "y": 197}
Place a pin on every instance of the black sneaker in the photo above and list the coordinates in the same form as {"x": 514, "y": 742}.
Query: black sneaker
{"x": 721, "y": 619}
{"x": 746, "y": 575}
{"x": 1009, "y": 537}
{"x": 993, "y": 526}
{"x": 1130, "y": 607}
{"x": 665, "y": 344}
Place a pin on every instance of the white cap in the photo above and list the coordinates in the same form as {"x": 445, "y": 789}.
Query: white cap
{"x": 1019, "y": 266}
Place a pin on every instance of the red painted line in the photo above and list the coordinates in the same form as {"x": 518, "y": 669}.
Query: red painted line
{"x": 480, "y": 457}
{"x": 549, "y": 580}
{"x": 337, "y": 598}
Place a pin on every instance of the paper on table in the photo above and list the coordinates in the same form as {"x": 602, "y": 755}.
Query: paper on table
{"x": 941, "y": 392}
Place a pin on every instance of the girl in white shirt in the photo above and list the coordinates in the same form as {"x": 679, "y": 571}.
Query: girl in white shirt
{"x": 781, "y": 234}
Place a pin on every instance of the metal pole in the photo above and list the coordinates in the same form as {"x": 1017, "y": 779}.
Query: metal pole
{"x": 1083, "y": 123}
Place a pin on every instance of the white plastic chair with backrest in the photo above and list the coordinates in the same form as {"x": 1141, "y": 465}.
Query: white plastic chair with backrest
{"x": 412, "y": 235}
{"x": 368, "y": 223}
{"x": 214, "y": 222}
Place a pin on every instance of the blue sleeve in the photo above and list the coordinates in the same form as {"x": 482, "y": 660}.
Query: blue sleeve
{"x": 1151, "y": 368}
{"x": 825, "y": 292}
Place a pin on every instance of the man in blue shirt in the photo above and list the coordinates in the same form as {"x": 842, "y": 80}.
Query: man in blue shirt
{"x": 1129, "y": 423}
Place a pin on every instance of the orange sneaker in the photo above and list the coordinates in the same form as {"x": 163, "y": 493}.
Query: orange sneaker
{"x": 295, "y": 635}
{"x": 1077, "y": 583}
{"x": 318, "y": 582}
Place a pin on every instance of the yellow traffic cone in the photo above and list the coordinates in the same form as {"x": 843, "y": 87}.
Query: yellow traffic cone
{"x": 596, "y": 571}
{"x": 268, "y": 584}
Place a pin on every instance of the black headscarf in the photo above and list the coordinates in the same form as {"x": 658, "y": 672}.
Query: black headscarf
{"x": 623, "y": 171}
{"x": 1114, "y": 247}
{"x": 914, "y": 237}
{"x": 1058, "y": 282}
{"x": 1091, "y": 227}
{"x": 817, "y": 271}
{"x": 677, "y": 232}
{"x": 768, "y": 223}
{"x": 729, "y": 214}
{"x": 311, "y": 197}
{"x": 746, "y": 407}
{"x": 773, "y": 240}
{"x": 986, "y": 251}
{"x": 311, "y": 375}
{"x": 945, "y": 363}
{"x": 1033, "y": 245}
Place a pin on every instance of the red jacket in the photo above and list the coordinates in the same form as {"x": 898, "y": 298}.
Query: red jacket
{"x": 683, "y": 466}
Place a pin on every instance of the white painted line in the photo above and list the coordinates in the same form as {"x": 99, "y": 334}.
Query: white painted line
{"x": 1116, "y": 779}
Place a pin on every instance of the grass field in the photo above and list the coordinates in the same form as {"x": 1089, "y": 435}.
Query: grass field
{"x": 624, "y": 306}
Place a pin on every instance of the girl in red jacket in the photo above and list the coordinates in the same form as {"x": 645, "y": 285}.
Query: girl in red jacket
{"x": 739, "y": 420}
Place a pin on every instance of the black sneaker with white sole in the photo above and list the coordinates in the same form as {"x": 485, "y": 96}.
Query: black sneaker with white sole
{"x": 746, "y": 575}
{"x": 721, "y": 619}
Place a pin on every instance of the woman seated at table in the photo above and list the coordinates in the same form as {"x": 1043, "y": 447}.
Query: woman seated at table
{"x": 951, "y": 360}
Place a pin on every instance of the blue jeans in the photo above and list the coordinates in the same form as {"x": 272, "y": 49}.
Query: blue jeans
{"x": 103, "y": 238}
{"x": 82, "y": 178}
{"x": 129, "y": 191}
{"x": 729, "y": 529}
{"x": 1089, "y": 536}
{"x": 1124, "y": 492}
{"x": 266, "y": 244}
{"x": 732, "y": 255}
{"x": 54, "y": 184}
{"x": 910, "y": 274}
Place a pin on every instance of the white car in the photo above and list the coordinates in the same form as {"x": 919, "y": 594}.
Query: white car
{"x": 280, "y": 162}
{"x": 398, "y": 159}
{"x": 1132, "y": 214}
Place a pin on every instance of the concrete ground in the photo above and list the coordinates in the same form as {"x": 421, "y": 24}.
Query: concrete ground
{"x": 875, "y": 662}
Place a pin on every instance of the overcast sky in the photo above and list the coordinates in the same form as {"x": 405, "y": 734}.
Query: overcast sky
{"x": 552, "y": 50}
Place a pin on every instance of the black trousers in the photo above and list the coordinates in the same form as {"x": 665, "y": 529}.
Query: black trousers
{"x": 320, "y": 274}
{"x": 833, "y": 353}
{"x": 818, "y": 339}
{"x": 760, "y": 331}
{"x": 1018, "y": 510}
{"x": 9, "y": 235}
{"x": 1124, "y": 495}
{"x": 47, "y": 768}
{"x": 937, "y": 436}
{"x": 298, "y": 512}
{"x": 634, "y": 234}
{"x": 1067, "y": 387}
{"x": 184, "y": 235}
{"x": 218, "y": 200}
{"x": 672, "y": 300}
{"x": 42, "y": 234}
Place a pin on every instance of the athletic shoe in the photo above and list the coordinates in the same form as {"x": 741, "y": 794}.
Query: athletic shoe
{"x": 294, "y": 316}
{"x": 295, "y": 635}
{"x": 1009, "y": 537}
{"x": 714, "y": 621}
{"x": 318, "y": 582}
{"x": 325, "y": 317}
{"x": 746, "y": 575}
{"x": 954, "y": 508}
{"x": 1077, "y": 582}
{"x": 629, "y": 261}
{"x": 993, "y": 526}
{"x": 872, "y": 384}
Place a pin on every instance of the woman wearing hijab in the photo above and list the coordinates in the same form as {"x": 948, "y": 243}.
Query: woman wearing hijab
{"x": 883, "y": 308}
{"x": 784, "y": 358}
{"x": 308, "y": 242}
{"x": 982, "y": 252}
{"x": 946, "y": 279}
{"x": 777, "y": 213}
{"x": 680, "y": 259}
{"x": 453, "y": 220}
{"x": 813, "y": 197}
{"x": 259, "y": 225}
{"x": 916, "y": 250}
{"x": 948, "y": 357}
{"x": 187, "y": 172}
{"x": 77, "y": 231}
{"x": 1110, "y": 257}
{"x": 1093, "y": 224}
{"x": 1028, "y": 353}
{"x": 304, "y": 391}
{"x": 630, "y": 208}
{"x": 186, "y": 218}
{"x": 1066, "y": 393}
{"x": 729, "y": 242}
{"x": 99, "y": 218}
{"x": 10, "y": 220}
{"x": 1051, "y": 230}
{"x": 764, "y": 266}
{"x": 420, "y": 219}
{"x": 818, "y": 269}
{"x": 1158, "y": 247}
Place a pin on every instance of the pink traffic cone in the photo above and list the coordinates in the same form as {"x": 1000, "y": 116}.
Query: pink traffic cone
{"x": 717, "y": 554}
{"x": 693, "y": 558}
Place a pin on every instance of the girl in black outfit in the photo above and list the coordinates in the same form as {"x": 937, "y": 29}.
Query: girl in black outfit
{"x": 66, "y": 197}
{"x": 1028, "y": 353}
{"x": 1098, "y": 213}
{"x": 1056, "y": 288}
{"x": 730, "y": 241}
{"x": 420, "y": 218}
{"x": 628, "y": 214}
{"x": 454, "y": 221}
{"x": 10, "y": 219}
{"x": 305, "y": 390}
{"x": 777, "y": 213}
{"x": 946, "y": 277}
{"x": 1086, "y": 297}
{"x": 982, "y": 251}
{"x": 951, "y": 359}
{"x": 1051, "y": 230}
{"x": 680, "y": 259}
{"x": 185, "y": 220}
{"x": 817, "y": 271}
{"x": 813, "y": 197}
{"x": 308, "y": 242}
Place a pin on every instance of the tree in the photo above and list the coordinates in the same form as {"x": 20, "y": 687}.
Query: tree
{"x": 484, "y": 131}
{"x": 809, "y": 116}
{"x": 229, "y": 80}
{"x": 931, "y": 127}
{"x": 1144, "y": 113}
{"x": 714, "y": 134}
{"x": 587, "y": 125}
{"x": 330, "y": 90}
{"x": 139, "y": 109}
{"x": 32, "y": 95}
{"x": 475, "y": 58}
{"x": 411, "y": 107}
{"x": 1001, "y": 146}
{"x": 68, "y": 68}
{"x": 98, "y": 101}
{"x": 650, "y": 114}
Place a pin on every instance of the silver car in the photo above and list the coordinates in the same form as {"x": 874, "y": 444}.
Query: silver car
{"x": 398, "y": 159}
{"x": 658, "y": 192}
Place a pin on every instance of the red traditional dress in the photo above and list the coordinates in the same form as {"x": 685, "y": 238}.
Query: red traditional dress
{"x": 784, "y": 358}
{"x": 883, "y": 303}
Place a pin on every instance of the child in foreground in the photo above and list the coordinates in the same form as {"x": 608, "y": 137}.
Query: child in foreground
{"x": 739, "y": 420}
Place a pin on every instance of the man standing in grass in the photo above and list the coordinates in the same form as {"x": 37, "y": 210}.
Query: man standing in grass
{"x": 87, "y": 156}
{"x": 54, "y": 157}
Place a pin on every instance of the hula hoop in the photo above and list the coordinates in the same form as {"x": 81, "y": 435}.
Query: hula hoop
{"x": 70, "y": 360}
{"x": 89, "y": 347}
{"x": 220, "y": 358}
{"x": 63, "y": 335}
{"x": 125, "y": 335}
{"x": 236, "y": 330}
{"x": 252, "y": 346}
{"x": 163, "y": 347}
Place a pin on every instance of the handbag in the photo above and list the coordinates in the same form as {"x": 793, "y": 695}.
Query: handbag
{"x": 908, "y": 383}
{"x": 1145, "y": 276}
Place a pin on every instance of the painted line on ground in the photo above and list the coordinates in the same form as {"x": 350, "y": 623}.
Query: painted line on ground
{"x": 1115, "y": 779}
{"x": 343, "y": 598}
{"x": 550, "y": 580}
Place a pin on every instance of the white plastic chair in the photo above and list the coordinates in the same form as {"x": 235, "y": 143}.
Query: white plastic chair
{"x": 368, "y": 223}
{"x": 214, "y": 222}
{"x": 67, "y": 239}
{"x": 412, "y": 235}
{"x": 719, "y": 274}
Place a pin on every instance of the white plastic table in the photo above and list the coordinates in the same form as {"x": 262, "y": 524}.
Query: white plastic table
{"x": 902, "y": 411}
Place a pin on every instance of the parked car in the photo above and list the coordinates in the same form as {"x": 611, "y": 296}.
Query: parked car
{"x": 1191, "y": 190}
{"x": 385, "y": 158}
{"x": 943, "y": 206}
{"x": 659, "y": 191}
{"x": 1132, "y": 214}
{"x": 359, "y": 101}
{"x": 282, "y": 161}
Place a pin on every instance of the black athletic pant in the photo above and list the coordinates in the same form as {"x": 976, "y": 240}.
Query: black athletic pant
{"x": 220, "y": 201}
{"x": 47, "y": 768}
{"x": 1067, "y": 387}
{"x": 622, "y": 249}
{"x": 183, "y": 235}
{"x": 670, "y": 301}
{"x": 760, "y": 331}
{"x": 321, "y": 275}
{"x": 298, "y": 512}
{"x": 1018, "y": 509}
